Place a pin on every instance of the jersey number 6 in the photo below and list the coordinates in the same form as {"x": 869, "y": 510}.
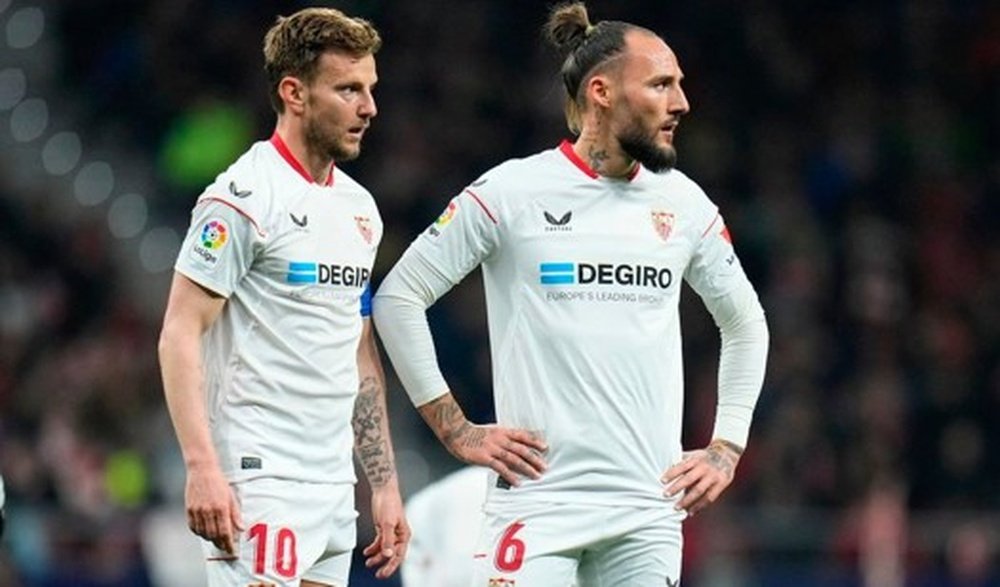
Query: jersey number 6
{"x": 510, "y": 551}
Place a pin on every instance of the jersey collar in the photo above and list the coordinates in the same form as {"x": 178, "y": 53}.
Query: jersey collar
{"x": 567, "y": 149}
{"x": 286, "y": 154}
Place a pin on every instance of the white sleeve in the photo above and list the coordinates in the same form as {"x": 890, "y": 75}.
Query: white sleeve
{"x": 716, "y": 275}
{"x": 462, "y": 237}
{"x": 220, "y": 245}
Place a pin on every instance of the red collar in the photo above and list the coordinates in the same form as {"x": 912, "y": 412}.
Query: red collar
{"x": 286, "y": 154}
{"x": 567, "y": 149}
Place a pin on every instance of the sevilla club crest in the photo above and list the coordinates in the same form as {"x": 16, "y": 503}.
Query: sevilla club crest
{"x": 364, "y": 227}
{"x": 663, "y": 223}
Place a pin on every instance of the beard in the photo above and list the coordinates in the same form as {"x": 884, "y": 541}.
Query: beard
{"x": 323, "y": 140}
{"x": 641, "y": 146}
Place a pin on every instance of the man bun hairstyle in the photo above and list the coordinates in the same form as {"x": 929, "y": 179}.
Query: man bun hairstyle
{"x": 587, "y": 47}
{"x": 293, "y": 46}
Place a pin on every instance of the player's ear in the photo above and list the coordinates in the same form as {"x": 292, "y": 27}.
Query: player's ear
{"x": 292, "y": 92}
{"x": 599, "y": 90}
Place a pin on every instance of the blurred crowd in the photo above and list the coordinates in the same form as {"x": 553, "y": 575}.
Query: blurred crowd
{"x": 853, "y": 147}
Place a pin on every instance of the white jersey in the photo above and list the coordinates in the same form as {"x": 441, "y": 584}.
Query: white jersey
{"x": 294, "y": 259}
{"x": 583, "y": 276}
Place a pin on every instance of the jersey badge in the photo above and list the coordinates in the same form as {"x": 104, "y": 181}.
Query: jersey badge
{"x": 663, "y": 223}
{"x": 444, "y": 219}
{"x": 213, "y": 238}
{"x": 364, "y": 227}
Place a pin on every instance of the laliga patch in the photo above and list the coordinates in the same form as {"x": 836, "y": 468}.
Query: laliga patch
{"x": 214, "y": 236}
{"x": 444, "y": 219}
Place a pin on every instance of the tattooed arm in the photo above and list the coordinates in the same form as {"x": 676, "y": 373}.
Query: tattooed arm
{"x": 373, "y": 447}
{"x": 703, "y": 475}
{"x": 507, "y": 451}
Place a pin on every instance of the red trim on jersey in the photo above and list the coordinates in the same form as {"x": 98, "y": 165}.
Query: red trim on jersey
{"x": 710, "y": 225}
{"x": 286, "y": 154}
{"x": 482, "y": 205}
{"x": 237, "y": 208}
{"x": 567, "y": 149}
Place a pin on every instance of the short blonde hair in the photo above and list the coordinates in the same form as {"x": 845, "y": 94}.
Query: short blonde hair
{"x": 295, "y": 43}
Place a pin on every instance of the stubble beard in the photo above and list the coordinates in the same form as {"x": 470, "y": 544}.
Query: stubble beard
{"x": 322, "y": 141}
{"x": 641, "y": 146}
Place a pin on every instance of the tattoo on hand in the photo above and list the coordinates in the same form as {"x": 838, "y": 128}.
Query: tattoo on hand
{"x": 370, "y": 440}
{"x": 723, "y": 456}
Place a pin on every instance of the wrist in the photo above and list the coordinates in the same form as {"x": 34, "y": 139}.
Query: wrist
{"x": 389, "y": 483}
{"x": 727, "y": 446}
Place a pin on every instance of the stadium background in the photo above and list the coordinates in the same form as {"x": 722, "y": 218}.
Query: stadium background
{"x": 852, "y": 145}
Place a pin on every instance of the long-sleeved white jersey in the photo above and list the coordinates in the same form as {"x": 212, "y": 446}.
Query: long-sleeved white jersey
{"x": 583, "y": 276}
{"x": 294, "y": 259}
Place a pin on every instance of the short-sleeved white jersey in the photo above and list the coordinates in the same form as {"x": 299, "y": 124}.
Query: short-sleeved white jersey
{"x": 583, "y": 277}
{"x": 294, "y": 259}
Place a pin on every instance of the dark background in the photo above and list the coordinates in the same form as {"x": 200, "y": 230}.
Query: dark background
{"x": 852, "y": 146}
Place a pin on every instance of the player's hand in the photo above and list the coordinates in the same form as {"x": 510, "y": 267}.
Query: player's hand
{"x": 392, "y": 533}
{"x": 702, "y": 475}
{"x": 212, "y": 511}
{"x": 510, "y": 452}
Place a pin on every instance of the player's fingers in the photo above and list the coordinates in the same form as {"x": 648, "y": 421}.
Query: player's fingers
{"x": 504, "y": 471}
{"x": 510, "y": 455}
{"x": 677, "y": 470}
{"x": 203, "y": 525}
{"x": 225, "y": 531}
{"x": 386, "y": 535}
{"x": 525, "y": 437}
{"x": 373, "y": 548}
{"x": 235, "y": 516}
{"x": 388, "y": 568}
{"x": 530, "y": 456}
{"x": 682, "y": 482}
{"x": 193, "y": 522}
{"x": 695, "y": 494}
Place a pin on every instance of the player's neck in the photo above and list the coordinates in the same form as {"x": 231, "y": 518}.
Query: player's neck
{"x": 316, "y": 164}
{"x": 603, "y": 153}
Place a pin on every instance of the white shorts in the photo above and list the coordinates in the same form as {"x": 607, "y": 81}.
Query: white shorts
{"x": 558, "y": 545}
{"x": 291, "y": 531}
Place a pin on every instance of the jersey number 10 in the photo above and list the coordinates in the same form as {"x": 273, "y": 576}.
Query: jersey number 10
{"x": 285, "y": 558}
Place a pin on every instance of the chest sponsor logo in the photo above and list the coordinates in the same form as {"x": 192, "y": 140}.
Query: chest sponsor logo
{"x": 663, "y": 223}
{"x": 560, "y": 224}
{"x": 364, "y": 228}
{"x": 566, "y": 273}
{"x": 313, "y": 273}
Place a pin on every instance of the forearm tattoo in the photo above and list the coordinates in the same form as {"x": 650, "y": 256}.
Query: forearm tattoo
{"x": 452, "y": 428}
{"x": 723, "y": 455}
{"x": 371, "y": 433}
